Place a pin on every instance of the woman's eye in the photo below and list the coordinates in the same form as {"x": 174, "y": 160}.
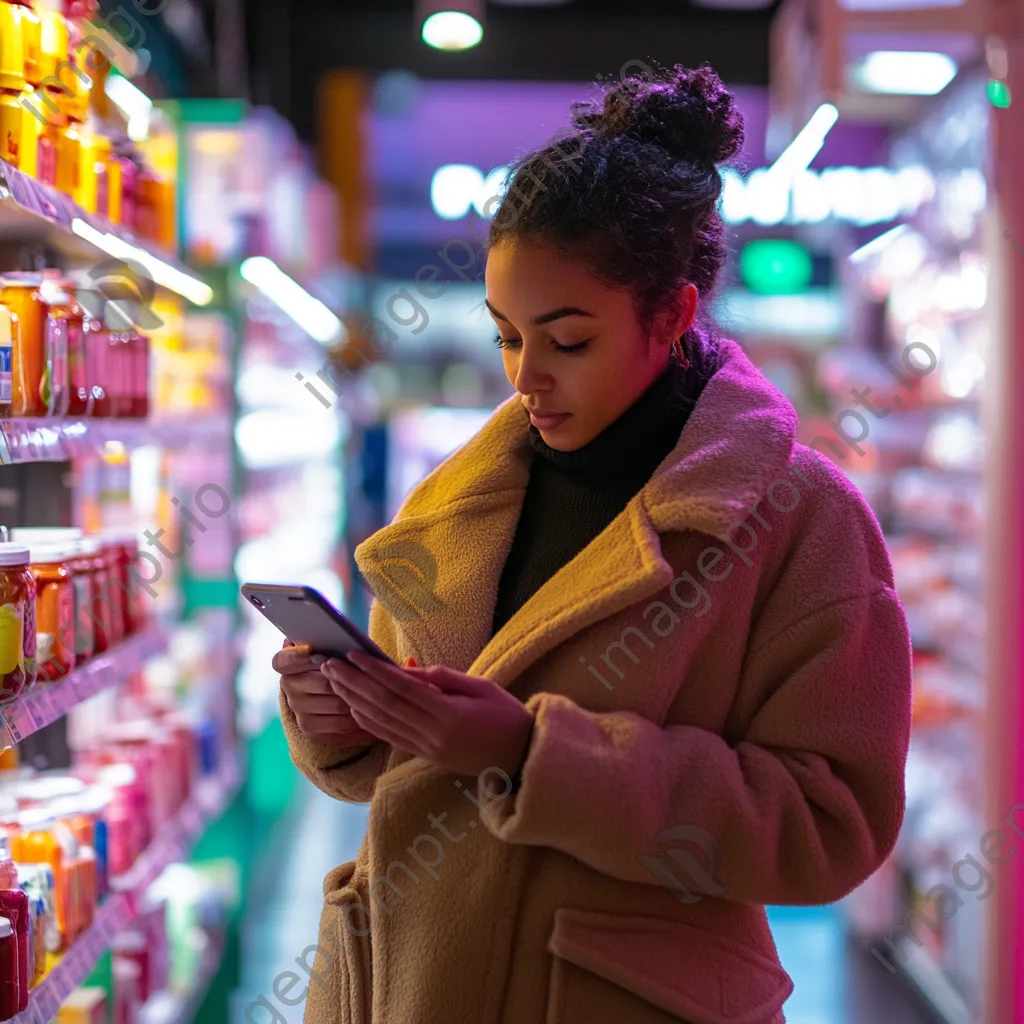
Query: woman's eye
{"x": 513, "y": 342}
{"x": 578, "y": 347}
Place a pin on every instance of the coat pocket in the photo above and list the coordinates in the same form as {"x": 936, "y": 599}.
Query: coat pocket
{"x": 340, "y": 990}
{"x": 649, "y": 970}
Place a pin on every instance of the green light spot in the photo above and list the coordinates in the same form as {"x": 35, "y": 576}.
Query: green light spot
{"x": 775, "y": 266}
{"x": 998, "y": 93}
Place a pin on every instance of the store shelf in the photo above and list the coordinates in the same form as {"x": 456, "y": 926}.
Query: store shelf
{"x": 32, "y": 212}
{"x": 175, "y": 1008}
{"x": 48, "y": 702}
{"x": 57, "y": 440}
{"x": 208, "y": 801}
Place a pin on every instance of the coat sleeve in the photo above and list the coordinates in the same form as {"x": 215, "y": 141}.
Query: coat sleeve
{"x": 346, "y": 773}
{"x": 800, "y": 810}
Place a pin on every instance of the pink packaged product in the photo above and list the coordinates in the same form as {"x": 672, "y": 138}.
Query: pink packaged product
{"x": 14, "y": 906}
{"x": 10, "y": 975}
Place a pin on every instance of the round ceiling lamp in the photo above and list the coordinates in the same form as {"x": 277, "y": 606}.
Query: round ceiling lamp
{"x": 451, "y": 24}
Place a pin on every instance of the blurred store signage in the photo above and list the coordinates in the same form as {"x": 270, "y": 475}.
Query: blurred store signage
{"x": 812, "y": 319}
{"x": 857, "y": 195}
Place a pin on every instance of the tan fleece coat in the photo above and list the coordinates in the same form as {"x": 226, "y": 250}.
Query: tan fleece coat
{"x": 722, "y": 691}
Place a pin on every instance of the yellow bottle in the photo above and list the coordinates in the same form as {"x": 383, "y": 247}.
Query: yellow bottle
{"x": 54, "y": 54}
{"x": 95, "y": 191}
{"x": 73, "y": 160}
{"x": 115, "y": 185}
{"x": 31, "y": 122}
{"x": 12, "y": 83}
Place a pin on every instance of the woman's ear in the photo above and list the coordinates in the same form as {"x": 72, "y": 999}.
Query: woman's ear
{"x": 676, "y": 319}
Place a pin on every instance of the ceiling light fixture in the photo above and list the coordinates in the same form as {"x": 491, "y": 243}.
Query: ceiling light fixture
{"x": 903, "y": 72}
{"x": 451, "y": 24}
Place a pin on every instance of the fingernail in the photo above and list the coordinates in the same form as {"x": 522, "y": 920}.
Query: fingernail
{"x": 318, "y": 659}
{"x": 411, "y": 663}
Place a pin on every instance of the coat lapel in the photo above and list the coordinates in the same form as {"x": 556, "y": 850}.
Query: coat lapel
{"x": 437, "y": 566}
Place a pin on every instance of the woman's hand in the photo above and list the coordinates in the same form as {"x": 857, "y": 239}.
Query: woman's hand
{"x": 319, "y": 712}
{"x": 457, "y": 722}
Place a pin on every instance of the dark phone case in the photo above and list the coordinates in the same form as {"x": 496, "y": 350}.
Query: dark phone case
{"x": 305, "y": 616}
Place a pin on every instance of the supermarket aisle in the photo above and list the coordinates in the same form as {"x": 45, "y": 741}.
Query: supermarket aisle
{"x": 317, "y": 835}
{"x": 836, "y": 983}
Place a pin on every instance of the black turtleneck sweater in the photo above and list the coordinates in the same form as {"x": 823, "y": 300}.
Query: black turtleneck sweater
{"x": 572, "y": 496}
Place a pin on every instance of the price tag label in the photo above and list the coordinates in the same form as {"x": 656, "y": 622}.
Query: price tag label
{"x": 29, "y": 719}
{"x": 49, "y": 1004}
{"x": 44, "y": 706}
{"x": 6, "y": 457}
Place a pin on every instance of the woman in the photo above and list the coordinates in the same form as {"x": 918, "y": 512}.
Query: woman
{"x": 666, "y": 675}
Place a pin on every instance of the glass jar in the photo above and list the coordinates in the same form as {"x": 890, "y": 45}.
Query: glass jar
{"x": 55, "y": 610}
{"x": 85, "y": 626}
{"x": 124, "y": 550}
{"x": 110, "y": 555}
{"x": 55, "y": 391}
{"x": 140, "y": 375}
{"x": 103, "y": 610}
{"x": 17, "y": 622}
{"x": 21, "y": 296}
{"x": 119, "y": 373}
{"x": 80, "y": 398}
{"x": 64, "y": 537}
{"x": 96, "y": 341}
{"x": 8, "y": 325}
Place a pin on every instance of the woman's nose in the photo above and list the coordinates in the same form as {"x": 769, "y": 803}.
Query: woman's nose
{"x": 530, "y": 375}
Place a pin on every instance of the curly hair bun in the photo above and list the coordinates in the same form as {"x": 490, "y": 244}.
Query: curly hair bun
{"x": 688, "y": 112}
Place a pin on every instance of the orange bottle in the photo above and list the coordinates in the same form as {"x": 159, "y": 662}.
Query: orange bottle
{"x": 38, "y": 843}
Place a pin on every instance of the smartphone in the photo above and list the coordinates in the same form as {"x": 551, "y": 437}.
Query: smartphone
{"x": 305, "y": 616}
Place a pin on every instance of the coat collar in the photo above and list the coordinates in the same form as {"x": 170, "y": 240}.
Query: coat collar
{"x": 436, "y": 567}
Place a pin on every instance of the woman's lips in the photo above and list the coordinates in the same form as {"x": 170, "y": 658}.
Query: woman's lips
{"x": 548, "y": 421}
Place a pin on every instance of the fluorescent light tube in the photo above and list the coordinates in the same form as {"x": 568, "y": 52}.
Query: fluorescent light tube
{"x": 308, "y": 312}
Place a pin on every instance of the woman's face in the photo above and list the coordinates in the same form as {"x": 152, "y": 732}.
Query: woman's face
{"x": 571, "y": 345}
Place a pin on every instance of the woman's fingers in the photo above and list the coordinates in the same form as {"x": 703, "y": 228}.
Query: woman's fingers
{"x": 293, "y": 660}
{"x": 312, "y": 683}
{"x": 318, "y": 704}
{"x": 333, "y": 729}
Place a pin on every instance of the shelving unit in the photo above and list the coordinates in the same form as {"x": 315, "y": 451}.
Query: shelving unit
{"x": 208, "y": 801}
{"x": 31, "y": 210}
{"x": 57, "y": 440}
{"x": 50, "y": 701}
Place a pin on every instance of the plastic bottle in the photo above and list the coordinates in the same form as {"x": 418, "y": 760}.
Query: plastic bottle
{"x": 10, "y": 974}
{"x": 31, "y": 101}
{"x": 54, "y": 54}
{"x": 14, "y": 905}
{"x": 44, "y": 841}
{"x": 12, "y": 83}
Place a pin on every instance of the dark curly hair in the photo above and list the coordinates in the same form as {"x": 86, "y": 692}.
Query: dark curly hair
{"x": 632, "y": 190}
